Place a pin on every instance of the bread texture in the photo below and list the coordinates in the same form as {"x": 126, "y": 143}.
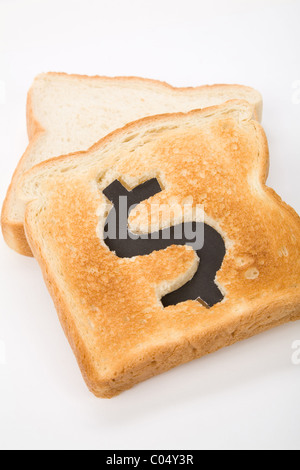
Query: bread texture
{"x": 110, "y": 307}
{"x": 69, "y": 113}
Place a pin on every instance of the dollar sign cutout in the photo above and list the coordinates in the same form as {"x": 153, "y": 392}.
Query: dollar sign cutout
{"x": 202, "y": 286}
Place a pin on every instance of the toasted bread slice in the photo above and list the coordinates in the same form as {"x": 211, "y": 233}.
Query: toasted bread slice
{"x": 110, "y": 306}
{"x": 69, "y": 113}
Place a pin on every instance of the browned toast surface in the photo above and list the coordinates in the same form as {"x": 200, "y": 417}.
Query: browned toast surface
{"x": 109, "y": 306}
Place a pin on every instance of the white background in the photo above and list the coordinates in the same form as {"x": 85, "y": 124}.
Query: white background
{"x": 245, "y": 396}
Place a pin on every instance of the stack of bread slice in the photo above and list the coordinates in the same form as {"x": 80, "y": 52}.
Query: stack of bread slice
{"x": 90, "y": 136}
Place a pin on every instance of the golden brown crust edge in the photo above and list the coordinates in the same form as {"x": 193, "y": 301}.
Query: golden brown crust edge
{"x": 14, "y": 232}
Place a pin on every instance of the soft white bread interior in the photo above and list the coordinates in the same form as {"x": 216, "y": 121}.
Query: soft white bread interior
{"x": 110, "y": 307}
{"x": 69, "y": 113}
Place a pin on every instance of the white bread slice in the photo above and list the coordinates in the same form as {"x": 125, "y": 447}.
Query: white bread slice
{"x": 110, "y": 307}
{"x": 69, "y": 113}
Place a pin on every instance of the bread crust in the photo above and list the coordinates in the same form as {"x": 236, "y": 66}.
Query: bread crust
{"x": 13, "y": 231}
{"x": 187, "y": 331}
